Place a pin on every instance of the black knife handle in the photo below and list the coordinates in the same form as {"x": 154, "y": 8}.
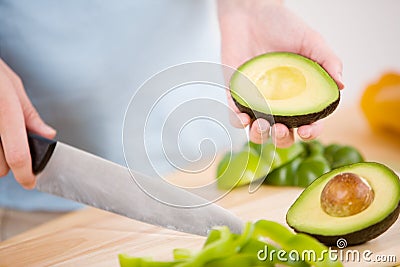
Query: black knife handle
{"x": 41, "y": 150}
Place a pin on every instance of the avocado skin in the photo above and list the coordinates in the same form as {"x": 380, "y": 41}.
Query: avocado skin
{"x": 363, "y": 235}
{"x": 290, "y": 121}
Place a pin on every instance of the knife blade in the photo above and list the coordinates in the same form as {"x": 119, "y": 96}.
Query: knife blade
{"x": 69, "y": 172}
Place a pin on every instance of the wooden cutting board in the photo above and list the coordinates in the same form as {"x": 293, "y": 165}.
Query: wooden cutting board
{"x": 91, "y": 237}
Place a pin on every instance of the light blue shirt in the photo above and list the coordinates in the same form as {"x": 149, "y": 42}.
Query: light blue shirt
{"x": 81, "y": 61}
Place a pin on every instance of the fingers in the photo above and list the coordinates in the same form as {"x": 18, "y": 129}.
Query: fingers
{"x": 309, "y": 132}
{"x": 282, "y": 136}
{"x": 333, "y": 65}
{"x": 237, "y": 119}
{"x": 17, "y": 115}
{"x": 4, "y": 169}
{"x": 13, "y": 134}
{"x": 33, "y": 122}
{"x": 259, "y": 131}
{"x": 315, "y": 47}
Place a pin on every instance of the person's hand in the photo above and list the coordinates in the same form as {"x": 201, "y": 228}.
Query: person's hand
{"x": 17, "y": 115}
{"x": 251, "y": 28}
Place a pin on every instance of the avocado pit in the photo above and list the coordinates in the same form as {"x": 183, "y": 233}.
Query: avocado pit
{"x": 346, "y": 194}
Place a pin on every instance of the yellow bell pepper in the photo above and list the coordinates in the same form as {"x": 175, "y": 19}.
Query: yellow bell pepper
{"x": 380, "y": 103}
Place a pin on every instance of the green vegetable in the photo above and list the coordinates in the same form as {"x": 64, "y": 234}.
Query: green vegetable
{"x": 303, "y": 170}
{"x": 298, "y": 242}
{"x": 299, "y": 172}
{"x": 318, "y": 161}
{"x": 284, "y": 176}
{"x": 182, "y": 253}
{"x": 298, "y": 165}
{"x": 339, "y": 156}
{"x": 310, "y": 169}
{"x": 240, "y": 169}
{"x": 275, "y": 156}
{"x": 223, "y": 248}
{"x": 253, "y": 162}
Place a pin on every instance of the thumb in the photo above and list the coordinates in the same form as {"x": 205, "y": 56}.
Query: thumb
{"x": 315, "y": 48}
{"x": 34, "y": 122}
{"x": 333, "y": 65}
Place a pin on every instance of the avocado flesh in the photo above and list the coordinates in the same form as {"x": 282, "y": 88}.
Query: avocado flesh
{"x": 284, "y": 88}
{"x": 307, "y": 216}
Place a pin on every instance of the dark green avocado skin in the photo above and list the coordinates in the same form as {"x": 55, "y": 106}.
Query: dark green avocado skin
{"x": 290, "y": 121}
{"x": 363, "y": 235}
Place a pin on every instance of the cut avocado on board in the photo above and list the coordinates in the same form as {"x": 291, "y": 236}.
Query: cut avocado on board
{"x": 357, "y": 202}
{"x": 287, "y": 88}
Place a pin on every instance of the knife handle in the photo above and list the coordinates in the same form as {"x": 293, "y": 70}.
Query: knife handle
{"x": 41, "y": 150}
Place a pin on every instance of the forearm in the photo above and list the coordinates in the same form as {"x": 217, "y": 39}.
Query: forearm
{"x": 226, "y": 7}
{"x": 238, "y": 16}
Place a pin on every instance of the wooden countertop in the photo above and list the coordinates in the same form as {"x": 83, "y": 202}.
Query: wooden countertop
{"x": 91, "y": 237}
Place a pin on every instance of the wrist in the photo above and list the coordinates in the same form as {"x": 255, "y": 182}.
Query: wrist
{"x": 240, "y": 5}
{"x": 229, "y": 10}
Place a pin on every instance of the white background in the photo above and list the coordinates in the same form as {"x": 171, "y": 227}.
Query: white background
{"x": 365, "y": 35}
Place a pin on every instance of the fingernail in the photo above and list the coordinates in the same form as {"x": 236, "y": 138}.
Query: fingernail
{"x": 305, "y": 134}
{"x": 340, "y": 81}
{"x": 48, "y": 129}
{"x": 244, "y": 120}
{"x": 29, "y": 185}
{"x": 263, "y": 126}
{"x": 281, "y": 134}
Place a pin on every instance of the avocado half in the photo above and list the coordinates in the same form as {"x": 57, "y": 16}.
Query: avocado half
{"x": 307, "y": 215}
{"x": 284, "y": 87}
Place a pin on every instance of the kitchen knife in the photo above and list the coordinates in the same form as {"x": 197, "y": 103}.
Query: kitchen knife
{"x": 74, "y": 174}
